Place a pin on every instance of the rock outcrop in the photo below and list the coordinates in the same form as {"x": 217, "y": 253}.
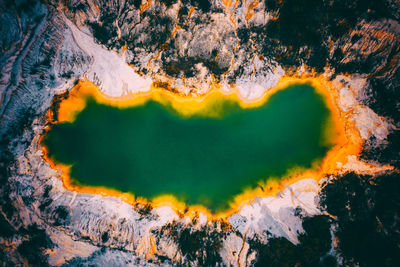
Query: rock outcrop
{"x": 188, "y": 47}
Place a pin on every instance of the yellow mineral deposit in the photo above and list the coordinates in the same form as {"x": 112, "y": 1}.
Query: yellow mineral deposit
{"x": 341, "y": 132}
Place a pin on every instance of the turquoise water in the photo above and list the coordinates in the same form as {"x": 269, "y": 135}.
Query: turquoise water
{"x": 151, "y": 150}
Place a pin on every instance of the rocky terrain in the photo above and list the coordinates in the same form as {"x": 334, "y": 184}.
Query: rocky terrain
{"x": 350, "y": 217}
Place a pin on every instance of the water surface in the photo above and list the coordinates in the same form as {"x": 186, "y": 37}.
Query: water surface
{"x": 151, "y": 150}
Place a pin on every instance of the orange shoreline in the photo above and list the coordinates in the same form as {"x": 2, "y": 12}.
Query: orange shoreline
{"x": 340, "y": 132}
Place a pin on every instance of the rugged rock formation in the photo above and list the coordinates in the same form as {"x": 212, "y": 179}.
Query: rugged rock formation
{"x": 187, "y": 47}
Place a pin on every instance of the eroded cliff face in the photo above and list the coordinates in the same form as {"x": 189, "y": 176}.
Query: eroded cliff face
{"x": 188, "y": 47}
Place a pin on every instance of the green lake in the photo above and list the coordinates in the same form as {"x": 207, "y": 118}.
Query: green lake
{"x": 151, "y": 150}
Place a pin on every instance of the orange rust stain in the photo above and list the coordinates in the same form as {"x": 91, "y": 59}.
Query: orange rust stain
{"x": 70, "y": 107}
{"x": 227, "y": 3}
{"x": 189, "y": 14}
{"x": 148, "y": 250}
{"x": 145, "y": 6}
{"x": 164, "y": 46}
{"x": 97, "y": 8}
{"x": 250, "y": 9}
{"x": 340, "y": 132}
